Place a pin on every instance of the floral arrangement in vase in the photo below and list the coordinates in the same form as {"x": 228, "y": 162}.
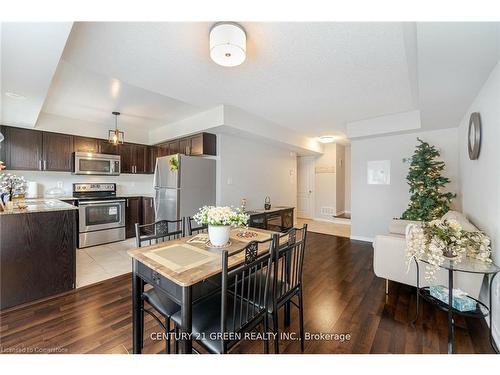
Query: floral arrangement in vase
{"x": 437, "y": 240}
{"x": 219, "y": 221}
{"x": 12, "y": 185}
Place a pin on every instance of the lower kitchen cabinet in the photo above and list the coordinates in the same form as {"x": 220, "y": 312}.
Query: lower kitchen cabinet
{"x": 37, "y": 256}
{"x": 133, "y": 214}
{"x": 148, "y": 210}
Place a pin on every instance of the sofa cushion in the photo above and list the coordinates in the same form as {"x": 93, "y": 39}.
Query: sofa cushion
{"x": 398, "y": 226}
{"x": 462, "y": 220}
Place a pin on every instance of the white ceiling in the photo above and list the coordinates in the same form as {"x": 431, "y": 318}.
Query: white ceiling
{"x": 82, "y": 94}
{"x": 310, "y": 77}
{"x": 30, "y": 53}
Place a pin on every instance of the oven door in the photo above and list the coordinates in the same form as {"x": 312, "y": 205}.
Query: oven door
{"x": 98, "y": 215}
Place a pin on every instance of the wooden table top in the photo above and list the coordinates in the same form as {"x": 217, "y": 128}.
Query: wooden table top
{"x": 201, "y": 272}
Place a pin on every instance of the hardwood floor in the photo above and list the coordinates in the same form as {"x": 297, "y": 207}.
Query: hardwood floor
{"x": 341, "y": 293}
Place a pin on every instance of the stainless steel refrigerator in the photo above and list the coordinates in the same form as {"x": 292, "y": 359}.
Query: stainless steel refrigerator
{"x": 181, "y": 192}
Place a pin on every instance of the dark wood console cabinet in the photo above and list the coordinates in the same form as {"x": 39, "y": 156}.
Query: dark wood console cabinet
{"x": 278, "y": 219}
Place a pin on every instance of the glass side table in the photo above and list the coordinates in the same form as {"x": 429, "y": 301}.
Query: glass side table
{"x": 467, "y": 265}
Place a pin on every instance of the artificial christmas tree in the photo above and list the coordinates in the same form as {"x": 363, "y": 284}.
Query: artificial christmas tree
{"x": 427, "y": 201}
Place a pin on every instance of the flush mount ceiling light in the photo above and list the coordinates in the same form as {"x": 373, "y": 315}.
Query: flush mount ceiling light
{"x": 228, "y": 44}
{"x": 13, "y": 95}
{"x": 327, "y": 138}
{"x": 115, "y": 136}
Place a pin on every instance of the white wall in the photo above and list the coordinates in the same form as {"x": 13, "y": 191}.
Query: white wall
{"x": 340, "y": 179}
{"x": 125, "y": 183}
{"x": 60, "y": 124}
{"x": 373, "y": 206}
{"x": 347, "y": 201}
{"x": 325, "y": 182}
{"x": 252, "y": 170}
{"x": 480, "y": 179}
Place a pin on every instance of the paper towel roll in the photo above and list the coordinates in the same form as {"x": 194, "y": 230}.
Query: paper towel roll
{"x": 32, "y": 189}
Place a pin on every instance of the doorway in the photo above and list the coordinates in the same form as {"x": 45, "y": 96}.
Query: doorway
{"x": 305, "y": 187}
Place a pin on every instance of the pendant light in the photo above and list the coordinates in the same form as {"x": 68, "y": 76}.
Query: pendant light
{"x": 228, "y": 44}
{"x": 116, "y": 136}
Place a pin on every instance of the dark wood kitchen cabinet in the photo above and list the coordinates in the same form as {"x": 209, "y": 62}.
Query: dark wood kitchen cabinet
{"x": 148, "y": 210}
{"x": 133, "y": 214}
{"x": 141, "y": 159}
{"x": 23, "y": 149}
{"x": 134, "y": 158}
{"x": 199, "y": 144}
{"x": 127, "y": 157}
{"x": 85, "y": 144}
{"x": 57, "y": 152}
{"x": 37, "y": 255}
{"x": 151, "y": 161}
{"x": 108, "y": 148}
{"x": 168, "y": 148}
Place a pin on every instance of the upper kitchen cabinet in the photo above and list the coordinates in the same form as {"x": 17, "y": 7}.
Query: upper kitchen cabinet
{"x": 198, "y": 144}
{"x": 141, "y": 159}
{"x": 134, "y": 158}
{"x": 57, "y": 152}
{"x": 85, "y": 144}
{"x": 168, "y": 148}
{"x": 127, "y": 156}
{"x": 108, "y": 148}
{"x": 151, "y": 162}
{"x": 23, "y": 149}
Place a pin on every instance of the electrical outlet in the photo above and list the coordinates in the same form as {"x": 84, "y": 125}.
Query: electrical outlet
{"x": 60, "y": 184}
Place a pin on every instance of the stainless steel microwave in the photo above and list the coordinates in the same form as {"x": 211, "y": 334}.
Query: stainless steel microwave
{"x": 96, "y": 164}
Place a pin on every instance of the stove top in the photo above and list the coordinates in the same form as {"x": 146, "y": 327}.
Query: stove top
{"x": 94, "y": 190}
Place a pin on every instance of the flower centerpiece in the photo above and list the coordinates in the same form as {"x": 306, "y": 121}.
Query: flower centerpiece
{"x": 439, "y": 239}
{"x": 219, "y": 221}
{"x": 12, "y": 185}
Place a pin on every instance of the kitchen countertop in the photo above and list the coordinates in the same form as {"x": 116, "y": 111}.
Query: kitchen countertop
{"x": 259, "y": 211}
{"x": 41, "y": 205}
{"x": 118, "y": 196}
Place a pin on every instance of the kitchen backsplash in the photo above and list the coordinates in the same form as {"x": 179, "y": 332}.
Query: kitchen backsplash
{"x": 125, "y": 183}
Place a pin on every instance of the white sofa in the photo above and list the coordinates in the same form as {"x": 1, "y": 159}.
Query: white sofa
{"x": 389, "y": 259}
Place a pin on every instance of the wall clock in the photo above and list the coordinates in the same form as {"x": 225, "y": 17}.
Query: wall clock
{"x": 474, "y": 136}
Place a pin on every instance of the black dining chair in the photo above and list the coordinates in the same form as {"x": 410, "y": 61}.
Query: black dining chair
{"x": 150, "y": 234}
{"x": 220, "y": 320}
{"x": 287, "y": 279}
{"x": 192, "y": 227}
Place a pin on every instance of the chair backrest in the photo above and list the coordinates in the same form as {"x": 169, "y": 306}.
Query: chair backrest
{"x": 288, "y": 263}
{"x": 192, "y": 227}
{"x": 246, "y": 283}
{"x": 159, "y": 231}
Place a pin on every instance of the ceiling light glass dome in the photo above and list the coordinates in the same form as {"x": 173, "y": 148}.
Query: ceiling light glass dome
{"x": 228, "y": 44}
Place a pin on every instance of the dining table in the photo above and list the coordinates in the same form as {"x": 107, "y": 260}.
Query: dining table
{"x": 185, "y": 269}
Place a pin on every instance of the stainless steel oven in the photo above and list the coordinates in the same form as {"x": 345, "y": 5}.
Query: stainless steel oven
{"x": 101, "y": 215}
{"x": 96, "y": 164}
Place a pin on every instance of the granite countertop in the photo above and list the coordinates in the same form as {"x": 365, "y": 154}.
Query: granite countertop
{"x": 259, "y": 211}
{"x": 41, "y": 205}
{"x": 70, "y": 197}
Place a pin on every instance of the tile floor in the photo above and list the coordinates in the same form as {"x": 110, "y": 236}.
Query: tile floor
{"x": 337, "y": 229}
{"x": 97, "y": 263}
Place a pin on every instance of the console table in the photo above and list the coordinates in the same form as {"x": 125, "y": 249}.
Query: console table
{"x": 467, "y": 265}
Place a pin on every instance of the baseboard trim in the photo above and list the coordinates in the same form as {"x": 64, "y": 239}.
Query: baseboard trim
{"x": 361, "y": 238}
